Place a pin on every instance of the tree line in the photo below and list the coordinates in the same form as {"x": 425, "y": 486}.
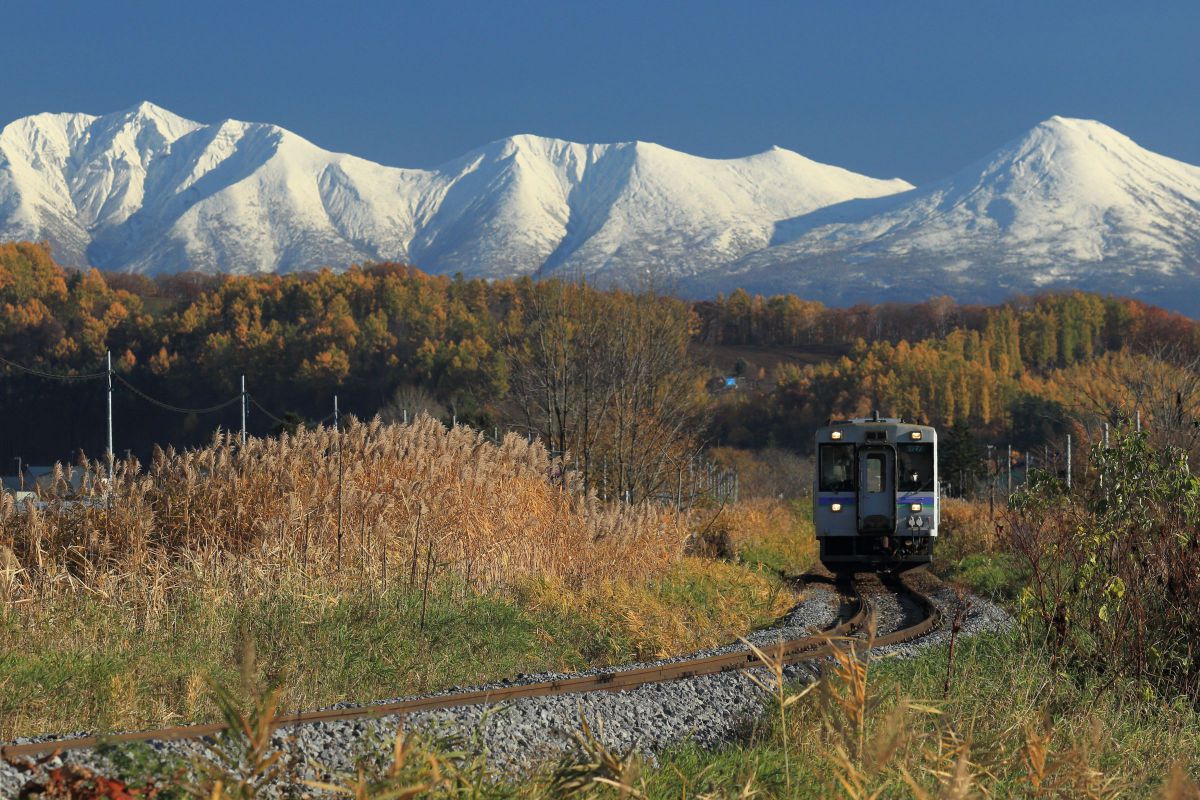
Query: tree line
{"x": 606, "y": 376}
{"x": 601, "y": 375}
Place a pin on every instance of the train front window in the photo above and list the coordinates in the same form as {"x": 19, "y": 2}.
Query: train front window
{"x": 837, "y": 467}
{"x": 875, "y": 473}
{"x": 916, "y": 467}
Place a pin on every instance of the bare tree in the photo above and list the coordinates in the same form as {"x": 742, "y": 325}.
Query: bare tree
{"x": 604, "y": 376}
{"x": 408, "y": 401}
{"x": 1161, "y": 388}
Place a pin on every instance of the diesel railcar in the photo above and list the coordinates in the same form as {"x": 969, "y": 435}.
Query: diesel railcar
{"x": 875, "y": 501}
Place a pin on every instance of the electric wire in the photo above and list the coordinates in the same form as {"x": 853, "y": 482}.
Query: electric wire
{"x": 54, "y": 376}
{"x": 259, "y": 406}
{"x": 179, "y": 409}
{"x": 91, "y": 376}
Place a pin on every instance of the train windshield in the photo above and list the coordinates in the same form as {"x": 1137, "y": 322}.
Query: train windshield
{"x": 916, "y": 467}
{"x": 837, "y": 467}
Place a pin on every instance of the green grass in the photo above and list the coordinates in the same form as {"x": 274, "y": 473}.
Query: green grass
{"x": 85, "y": 663}
{"x": 1002, "y": 688}
{"x": 996, "y": 575}
{"x": 767, "y": 555}
{"x": 80, "y": 666}
{"x": 84, "y": 666}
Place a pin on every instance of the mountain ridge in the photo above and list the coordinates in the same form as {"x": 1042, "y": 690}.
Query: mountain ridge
{"x": 1070, "y": 203}
{"x": 147, "y": 190}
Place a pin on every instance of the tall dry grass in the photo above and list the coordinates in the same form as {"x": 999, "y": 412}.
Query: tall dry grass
{"x": 374, "y": 505}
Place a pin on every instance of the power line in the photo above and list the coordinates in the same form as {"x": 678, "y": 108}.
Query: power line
{"x": 169, "y": 407}
{"x": 111, "y": 374}
{"x": 259, "y": 406}
{"x": 54, "y": 376}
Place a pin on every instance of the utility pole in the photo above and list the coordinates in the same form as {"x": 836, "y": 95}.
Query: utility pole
{"x": 991, "y": 482}
{"x": 108, "y": 359}
{"x": 243, "y": 411}
{"x": 1069, "y": 460}
{"x": 1010, "y": 469}
{"x": 340, "y": 473}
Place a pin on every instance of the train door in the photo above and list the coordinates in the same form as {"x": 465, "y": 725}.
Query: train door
{"x": 876, "y": 490}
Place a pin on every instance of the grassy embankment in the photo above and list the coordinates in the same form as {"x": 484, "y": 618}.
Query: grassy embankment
{"x": 89, "y": 648}
{"x": 1006, "y": 723}
{"x": 457, "y": 562}
{"x": 1009, "y": 721}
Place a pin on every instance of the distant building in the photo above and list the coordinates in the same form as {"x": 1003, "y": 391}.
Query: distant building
{"x": 35, "y": 479}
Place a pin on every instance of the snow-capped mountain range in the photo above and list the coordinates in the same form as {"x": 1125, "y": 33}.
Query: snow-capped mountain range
{"x": 1072, "y": 203}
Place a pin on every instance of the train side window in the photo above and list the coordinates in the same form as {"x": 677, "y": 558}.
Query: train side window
{"x": 875, "y": 473}
{"x": 916, "y": 467}
{"x": 837, "y": 467}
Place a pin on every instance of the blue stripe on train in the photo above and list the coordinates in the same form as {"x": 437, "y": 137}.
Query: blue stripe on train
{"x": 852, "y": 500}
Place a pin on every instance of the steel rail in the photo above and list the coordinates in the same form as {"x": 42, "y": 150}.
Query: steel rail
{"x": 806, "y": 648}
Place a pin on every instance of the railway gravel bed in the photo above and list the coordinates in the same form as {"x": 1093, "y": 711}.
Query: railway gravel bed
{"x": 526, "y": 733}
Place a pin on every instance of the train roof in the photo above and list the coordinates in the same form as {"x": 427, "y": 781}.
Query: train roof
{"x": 860, "y": 429}
{"x": 875, "y": 421}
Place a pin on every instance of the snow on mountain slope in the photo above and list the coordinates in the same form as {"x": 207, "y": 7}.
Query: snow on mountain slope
{"x": 1071, "y": 203}
{"x": 676, "y": 214}
{"x": 148, "y": 191}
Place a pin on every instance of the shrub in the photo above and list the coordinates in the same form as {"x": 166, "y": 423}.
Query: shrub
{"x": 1115, "y": 564}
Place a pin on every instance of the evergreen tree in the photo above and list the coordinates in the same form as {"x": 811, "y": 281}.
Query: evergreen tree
{"x": 960, "y": 457}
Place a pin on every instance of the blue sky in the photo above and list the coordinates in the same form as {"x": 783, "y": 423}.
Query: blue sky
{"x": 909, "y": 89}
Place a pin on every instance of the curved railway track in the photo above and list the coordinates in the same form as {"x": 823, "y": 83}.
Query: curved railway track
{"x": 860, "y": 621}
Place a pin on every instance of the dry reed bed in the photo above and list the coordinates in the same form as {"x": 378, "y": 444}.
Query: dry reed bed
{"x": 376, "y": 504}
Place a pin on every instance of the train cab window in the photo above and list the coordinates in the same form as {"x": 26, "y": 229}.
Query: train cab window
{"x": 916, "y": 467}
{"x": 837, "y": 467}
{"x": 875, "y": 473}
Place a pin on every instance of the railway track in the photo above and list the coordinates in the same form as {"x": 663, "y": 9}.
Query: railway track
{"x": 859, "y": 621}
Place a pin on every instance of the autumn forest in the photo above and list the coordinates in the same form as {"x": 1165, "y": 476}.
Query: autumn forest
{"x": 607, "y": 375}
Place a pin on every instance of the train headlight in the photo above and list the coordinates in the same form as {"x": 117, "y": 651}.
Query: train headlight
{"x": 914, "y": 507}
{"x": 915, "y": 434}
{"x": 835, "y": 507}
{"x": 835, "y": 435}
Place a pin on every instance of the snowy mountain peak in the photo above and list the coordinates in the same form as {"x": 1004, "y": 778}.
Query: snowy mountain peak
{"x": 149, "y": 113}
{"x": 1071, "y": 203}
{"x": 1074, "y": 126}
{"x": 147, "y": 190}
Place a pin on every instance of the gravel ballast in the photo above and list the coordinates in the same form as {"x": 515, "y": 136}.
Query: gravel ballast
{"x": 523, "y": 734}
